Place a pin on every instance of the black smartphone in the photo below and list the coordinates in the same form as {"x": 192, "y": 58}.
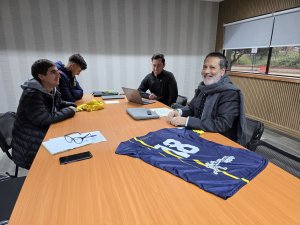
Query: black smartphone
{"x": 75, "y": 157}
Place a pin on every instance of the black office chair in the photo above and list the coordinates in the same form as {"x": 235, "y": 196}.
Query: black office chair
{"x": 280, "y": 158}
{"x": 6, "y": 127}
{"x": 254, "y": 132}
{"x": 9, "y": 192}
{"x": 181, "y": 101}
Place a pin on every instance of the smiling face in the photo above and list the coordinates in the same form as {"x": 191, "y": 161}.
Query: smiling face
{"x": 211, "y": 71}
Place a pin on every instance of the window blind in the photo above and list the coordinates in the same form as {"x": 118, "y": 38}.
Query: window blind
{"x": 286, "y": 31}
{"x": 271, "y": 30}
{"x": 251, "y": 33}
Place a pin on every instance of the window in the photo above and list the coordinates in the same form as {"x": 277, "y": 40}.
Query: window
{"x": 248, "y": 60}
{"x": 285, "y": 61}
{"x": 265, "y": 44}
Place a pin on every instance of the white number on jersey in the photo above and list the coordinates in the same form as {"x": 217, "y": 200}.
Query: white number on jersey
{"x": 183, "y": 150}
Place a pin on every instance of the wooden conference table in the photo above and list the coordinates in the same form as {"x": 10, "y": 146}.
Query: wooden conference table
{"x": 115, "y": 189}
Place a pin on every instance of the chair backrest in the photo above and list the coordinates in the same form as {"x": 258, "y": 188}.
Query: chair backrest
{"x": 9, "y": 192}
{"x": 281, "y": 158}
{"x": 254, "y": 132}
{"x": 182, "y": 100}
{"x": 6, "y": 127}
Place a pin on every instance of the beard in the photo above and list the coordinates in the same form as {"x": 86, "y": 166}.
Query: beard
{"x": 208, "y": 80}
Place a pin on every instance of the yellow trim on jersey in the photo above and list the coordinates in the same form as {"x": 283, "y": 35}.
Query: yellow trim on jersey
{"x": 224, "y": 172}
{"x": 143, "y": 143}
{"x": 195, "y": 160}
{"x": 199, "y": 131}
{"x": 166, "y": 151}
{"x": 243, "y": 179}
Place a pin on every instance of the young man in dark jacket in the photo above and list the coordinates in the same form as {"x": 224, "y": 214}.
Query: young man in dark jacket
{"x": 217, "y": 106}
{"x": 40, "y": 105}
{"x": 68, "y": 85}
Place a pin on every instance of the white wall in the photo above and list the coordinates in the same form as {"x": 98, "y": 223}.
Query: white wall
{"x": 116, "y": 37}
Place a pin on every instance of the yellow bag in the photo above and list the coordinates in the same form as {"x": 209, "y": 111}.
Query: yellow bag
{"x": 91, "y": 106}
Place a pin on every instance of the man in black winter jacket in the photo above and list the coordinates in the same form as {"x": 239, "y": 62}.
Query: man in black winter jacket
{"x": 217, "y": 106}
{"x": 40, "y": 105}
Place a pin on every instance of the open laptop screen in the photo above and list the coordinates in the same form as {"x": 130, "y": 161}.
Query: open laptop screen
{"x": 133, "y": 95}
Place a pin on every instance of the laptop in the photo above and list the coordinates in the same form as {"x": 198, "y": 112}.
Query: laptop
{"x": 104, "y": 93}
{"x": 108, "y": 97}
{"x": 133, "y": 95}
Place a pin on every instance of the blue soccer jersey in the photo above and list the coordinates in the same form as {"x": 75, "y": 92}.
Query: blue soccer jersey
{"x": 219, "y": 169}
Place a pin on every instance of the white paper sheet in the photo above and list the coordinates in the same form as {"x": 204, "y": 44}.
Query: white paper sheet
{"x": 161, "y": 111}
{"x": 57, "y": 145}
{"x": 112, "y": 102}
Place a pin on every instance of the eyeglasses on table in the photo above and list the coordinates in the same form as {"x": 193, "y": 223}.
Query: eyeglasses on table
{"x": 77, "y": 137}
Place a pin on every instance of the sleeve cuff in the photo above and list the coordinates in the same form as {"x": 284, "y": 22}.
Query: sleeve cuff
{"x": 187, "y": 121}
{"x": 179, "y": 111}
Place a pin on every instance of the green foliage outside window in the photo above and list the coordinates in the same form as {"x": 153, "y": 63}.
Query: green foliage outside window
{"x": 284, "y": 60}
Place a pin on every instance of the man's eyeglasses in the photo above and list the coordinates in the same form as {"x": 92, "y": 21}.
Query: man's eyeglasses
{"x": 76, "y": 137}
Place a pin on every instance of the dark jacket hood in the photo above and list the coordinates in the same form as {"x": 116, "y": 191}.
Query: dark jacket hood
{"x": 63, "y": 70}
{"x": 34, "y": 84}
{"x": 60, "y": 65}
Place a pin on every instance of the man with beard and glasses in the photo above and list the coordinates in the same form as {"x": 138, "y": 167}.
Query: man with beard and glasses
{"x": 217, "y": 106}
